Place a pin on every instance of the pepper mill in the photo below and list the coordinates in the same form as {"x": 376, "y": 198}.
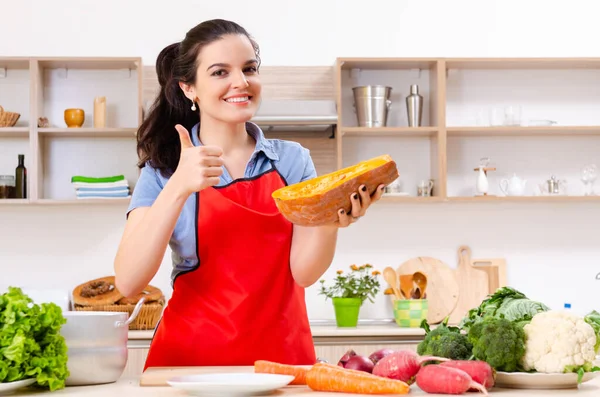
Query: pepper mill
{"x": 414, "y": 106}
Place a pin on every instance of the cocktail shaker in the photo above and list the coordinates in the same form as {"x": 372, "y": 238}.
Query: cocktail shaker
{"x": 414, "y": 106}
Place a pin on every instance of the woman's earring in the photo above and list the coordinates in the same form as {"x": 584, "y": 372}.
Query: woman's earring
{"x": 193, "y": 105}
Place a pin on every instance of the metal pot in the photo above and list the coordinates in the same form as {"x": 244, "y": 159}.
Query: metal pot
{"x": 97, "y": 345}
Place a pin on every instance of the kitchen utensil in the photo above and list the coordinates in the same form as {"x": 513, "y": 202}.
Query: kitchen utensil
{"x": 442, "y": 287}
{"x": 390, "y": 276}
{"x": 74, "y": 118}
{"x": 406, "y": 285}
{"x": 371, "y": 104}
{"x": 421, "y": 280}
{"x": 472, "y": 283}
{"x": 414, "y": 106}
{"x": 424, "y": 188}
{"x": 496, "y": 271}
{"x": 514, "y": 186}
{"x": 97, "y": 345}
{"x": 553, "y": 186}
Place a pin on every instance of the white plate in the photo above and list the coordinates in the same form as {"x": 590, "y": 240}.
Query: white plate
{"x": 230, "y": 384}
{"x": 10, "y": 387}
{"x": 536, "y": 380}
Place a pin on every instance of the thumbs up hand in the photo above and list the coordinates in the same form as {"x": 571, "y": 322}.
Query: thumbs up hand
{"x": 199, "y": 167}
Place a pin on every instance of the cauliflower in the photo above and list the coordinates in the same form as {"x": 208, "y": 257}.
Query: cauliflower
{"x": 557, "y": 342}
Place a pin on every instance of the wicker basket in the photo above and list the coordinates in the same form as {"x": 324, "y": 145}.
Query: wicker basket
{"x": 147, "y": 319}
{"x": 8, "y": 119}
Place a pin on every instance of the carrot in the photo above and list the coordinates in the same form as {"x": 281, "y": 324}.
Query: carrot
{"x": 270, "y": 367}
{"x": 333, "y": 378}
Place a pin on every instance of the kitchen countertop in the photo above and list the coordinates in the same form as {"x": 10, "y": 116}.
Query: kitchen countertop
{"x": 326, "y": 330}
{"x": 131, "y": 388}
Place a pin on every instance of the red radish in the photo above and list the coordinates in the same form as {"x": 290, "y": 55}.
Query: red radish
{"x": 350, "y": 353}
{"x": 360, "y": 363}
{"x": 480, "y": 371}
{"x": 402, "y": 365}
{"x": 379, "y": 354}
{"x": 440, "y": 379}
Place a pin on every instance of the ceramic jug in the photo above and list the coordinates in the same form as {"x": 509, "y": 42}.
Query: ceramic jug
{"x": 514, "y": 186}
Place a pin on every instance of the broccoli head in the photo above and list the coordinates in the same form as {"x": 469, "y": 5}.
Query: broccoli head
{"x": 445, "y": 342}
{"x": 499, "y": 342}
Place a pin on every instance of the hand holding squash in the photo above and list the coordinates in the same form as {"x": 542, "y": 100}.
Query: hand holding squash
{"x": 199, "y": 166}
{"x": 360, "y": 202}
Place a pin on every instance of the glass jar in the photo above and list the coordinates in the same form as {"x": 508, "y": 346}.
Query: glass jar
{"x": 7, "y": 186}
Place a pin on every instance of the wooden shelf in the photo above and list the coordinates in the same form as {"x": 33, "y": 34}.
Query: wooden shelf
{"x": 105, "y": 201}
{"x": 525, "y": 199}
{"x": 46, "y": 86}
{"x": 522, "y": 63}
{"x": 524, "y": 131}
{"x": 387, "y": 63}
{"x": 14, "y": 201}
{"x": 411, "y": 199}
{"x": 389, "y": 131}
{"x": 14, "y": 132}
{"x": 88, "y": 132}
{"x": 89, "y": 63}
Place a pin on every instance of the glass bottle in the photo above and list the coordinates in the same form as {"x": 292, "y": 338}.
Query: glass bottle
{"x": 21, "y": 179}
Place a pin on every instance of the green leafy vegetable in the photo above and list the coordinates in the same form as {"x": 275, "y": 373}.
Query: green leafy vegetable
{"x": 506, "y": 303}
{"x": 593, "y": 319}
{"x": 499, "y": 342}
{"x": 444, "y": 341}
{"x": 31, "y": 345}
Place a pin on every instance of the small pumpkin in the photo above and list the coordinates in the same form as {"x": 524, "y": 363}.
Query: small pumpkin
{"x": 316, "y": 202}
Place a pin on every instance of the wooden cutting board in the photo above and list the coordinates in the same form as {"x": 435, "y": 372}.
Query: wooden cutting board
{"x": 442, "y": 286}
{"x": 158, "y": 376}
{"x": 496, "y": 271}
{"x": 473, "y": 285}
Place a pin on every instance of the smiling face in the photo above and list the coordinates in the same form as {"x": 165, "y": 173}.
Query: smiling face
{"x": 227, "y": 87}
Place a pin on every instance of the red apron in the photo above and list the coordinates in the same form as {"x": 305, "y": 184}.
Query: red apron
{"x": 241, "y": 303}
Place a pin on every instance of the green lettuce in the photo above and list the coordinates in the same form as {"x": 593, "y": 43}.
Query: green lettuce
{"x": 31, "y": 345}
{"x": 507, "y": 303}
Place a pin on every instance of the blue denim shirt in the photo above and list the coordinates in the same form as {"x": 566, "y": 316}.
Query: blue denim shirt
{"x": 291, "y": 159}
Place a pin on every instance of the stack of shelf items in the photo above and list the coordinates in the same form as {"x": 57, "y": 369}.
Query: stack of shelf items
{"x": 41, "y": 89}
{"x": 110, "y": 187}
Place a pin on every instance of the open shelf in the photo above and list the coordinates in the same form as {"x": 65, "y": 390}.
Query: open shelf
{"x": 524, "y": 131}
{"x": 14, "y": 132}
{"x": 88, "y": 132}
{"x": 525, "y": 199}
{"x": 481, "y": 107}
{"x": 389, "y": 131}
{"x": 46, "y": 86}
{"x": 105, "y": 201}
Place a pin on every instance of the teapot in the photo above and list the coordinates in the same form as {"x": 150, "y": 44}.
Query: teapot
{"x": 514, "y": 186}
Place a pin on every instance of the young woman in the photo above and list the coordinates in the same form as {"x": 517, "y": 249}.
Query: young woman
{"x": 207, "y": 174}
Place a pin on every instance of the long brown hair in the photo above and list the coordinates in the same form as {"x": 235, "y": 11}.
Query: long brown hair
{"x": 157, "y": 139}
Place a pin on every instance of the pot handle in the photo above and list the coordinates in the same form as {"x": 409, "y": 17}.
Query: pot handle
{"x": 136, "y": 311}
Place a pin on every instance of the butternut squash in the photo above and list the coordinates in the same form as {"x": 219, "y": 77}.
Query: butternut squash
{"x": 316, "y": 202}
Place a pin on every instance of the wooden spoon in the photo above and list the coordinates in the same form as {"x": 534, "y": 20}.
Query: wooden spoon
{"x": 406, "y": 285}
{"x": 421, "y": 280}
{"x": 389, "y": 274}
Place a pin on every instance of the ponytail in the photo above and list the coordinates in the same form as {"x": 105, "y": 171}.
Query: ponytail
{"x": 157, "y": 139}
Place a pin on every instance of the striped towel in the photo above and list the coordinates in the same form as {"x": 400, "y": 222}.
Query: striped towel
{"x": 104, "y": 187}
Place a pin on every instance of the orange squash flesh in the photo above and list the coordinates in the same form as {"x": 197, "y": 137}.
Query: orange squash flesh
{"x": 316, "y": 202}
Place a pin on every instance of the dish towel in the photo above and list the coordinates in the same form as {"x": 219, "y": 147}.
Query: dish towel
{"x": 110, "y": 187}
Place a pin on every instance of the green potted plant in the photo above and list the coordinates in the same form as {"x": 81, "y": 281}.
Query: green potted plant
{"x": 349, "y": 291}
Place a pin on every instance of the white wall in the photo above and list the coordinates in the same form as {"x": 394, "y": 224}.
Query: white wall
{"x": 554, "y": 245}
